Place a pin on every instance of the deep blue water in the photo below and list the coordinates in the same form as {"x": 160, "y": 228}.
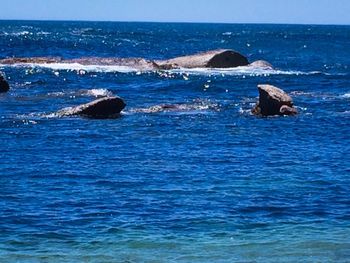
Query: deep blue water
{"x": 210, "y": 183}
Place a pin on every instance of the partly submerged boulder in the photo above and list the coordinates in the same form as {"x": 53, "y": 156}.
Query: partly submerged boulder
{"x": 4, "y": 86}
{"x": 107, "y": 107}
{"x": 221, "y": 58}
{"x": 261, "y": 64}
{"x": 273, "y": 101}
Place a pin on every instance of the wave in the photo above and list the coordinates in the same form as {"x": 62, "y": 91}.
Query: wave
{"x": 320, "y": 95}
{"x": 242, "y": 71}
{"x": 44, "y": 33}
{"x": 237, "y": 71}
{"x": 75, "y": 67}
{"x": 20, "y": 33}
{"x": 81, "y": 93}
{"x": 25, "y": 33}
{"x": 96, "y": 92}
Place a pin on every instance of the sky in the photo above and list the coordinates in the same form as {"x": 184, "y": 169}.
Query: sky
{"x": 225, "y": 11}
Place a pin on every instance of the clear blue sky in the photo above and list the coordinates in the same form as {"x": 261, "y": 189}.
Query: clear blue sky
{"x": 228, "y": 11}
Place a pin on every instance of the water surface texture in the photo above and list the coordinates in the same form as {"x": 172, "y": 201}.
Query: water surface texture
{"x": 207, "y": 183}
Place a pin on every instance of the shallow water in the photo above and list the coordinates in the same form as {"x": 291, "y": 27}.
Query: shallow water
{"x": 207, "y": 183}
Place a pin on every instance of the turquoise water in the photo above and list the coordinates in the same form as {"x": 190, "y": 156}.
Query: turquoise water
{"x": 208, "y": 183}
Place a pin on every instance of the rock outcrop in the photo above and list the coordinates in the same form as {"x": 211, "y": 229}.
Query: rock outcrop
{"x": 104, "y": 108}
{"x": 31, "y": 60}
{"x": 261, "y": 64}
{"x": 221, "y": 58}
{"x": 4, "y": 86}
{"x": 135, "y": 63}
{"x": 273, "y": 101}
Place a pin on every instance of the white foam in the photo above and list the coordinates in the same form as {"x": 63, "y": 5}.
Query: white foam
{"x": 57, "y": 94}
{"x": 83, "y": 92}
{"x": 76, "y": 67}
{"x": 244, "y": 111}
{"x": 98, "y": 92}
{"x": 237, "y": 71}
{"x": 21, "y": 33}
{"x": 346, "y": 96}
{"x": 43, "y": 33}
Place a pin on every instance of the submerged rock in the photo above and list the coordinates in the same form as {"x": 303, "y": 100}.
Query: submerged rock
{"x": 261, "y": 64}
{"x": 104, "y": 108}
{"x": 195, "y": 106}
{"x": 221, "y": 58}
{"x": 273, "y": 101}
{"x": 4, "y": 86}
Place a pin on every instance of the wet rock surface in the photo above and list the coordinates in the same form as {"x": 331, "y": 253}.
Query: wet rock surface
{"x": 4, "y": 86}
{"x": 104, "y": 108}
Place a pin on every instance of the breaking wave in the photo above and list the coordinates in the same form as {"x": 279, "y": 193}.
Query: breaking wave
{"x": 238, "y": 71}
{"x": 96, "y": 92}
{"x": 20, "y": 33}
{"x": 89, "y": 93}
{"x": 245, "y": 71}
{"x": 75, "y": 67}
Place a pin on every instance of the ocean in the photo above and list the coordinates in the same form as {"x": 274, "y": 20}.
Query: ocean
{"x": 207, "y": 183}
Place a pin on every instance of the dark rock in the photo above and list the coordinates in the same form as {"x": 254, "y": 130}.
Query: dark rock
{"x": 261, "y": 64}
{"x": 4, "y": 86}
{"x": 221, "y": 58}
{"x": 273, "y": 101}
{"x": 104, "y": 108}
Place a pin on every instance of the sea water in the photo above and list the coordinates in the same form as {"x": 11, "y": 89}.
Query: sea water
{"x": 206, "y": 183}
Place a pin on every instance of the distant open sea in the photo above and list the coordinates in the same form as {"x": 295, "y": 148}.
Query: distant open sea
{"x": 208, "y": 183}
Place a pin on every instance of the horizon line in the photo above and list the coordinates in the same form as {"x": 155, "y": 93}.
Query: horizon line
{"x": 171, "y": 22}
